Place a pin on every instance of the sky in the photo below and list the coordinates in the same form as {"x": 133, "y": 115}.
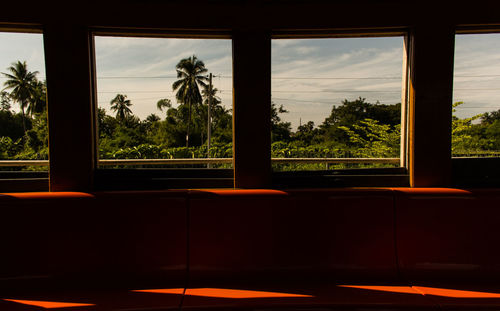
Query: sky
{"x": 21, "y": 47}
{"x": 309, "y": 76}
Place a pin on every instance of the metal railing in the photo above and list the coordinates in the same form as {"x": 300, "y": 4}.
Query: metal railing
{"x": 194, "y": 161}
{"x": 13, "y": 163}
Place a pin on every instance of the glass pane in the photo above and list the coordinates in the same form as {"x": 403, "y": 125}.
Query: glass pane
{"x": 337, "y": 99}
{"x": 23, "y": 105}
{"x": 476, "y": 108}
{"x": 153, "y": 98}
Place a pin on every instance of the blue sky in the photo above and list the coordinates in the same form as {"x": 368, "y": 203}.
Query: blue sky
{"x": 309, "y": 76}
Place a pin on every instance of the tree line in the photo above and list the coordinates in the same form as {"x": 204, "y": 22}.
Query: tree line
{"x": 354, "y": 128}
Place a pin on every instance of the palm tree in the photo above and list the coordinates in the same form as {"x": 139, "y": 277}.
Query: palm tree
{"x": 38, "y": 100}
{"x": 163, "y": 103}
{"x": 152, "y": 118}
{"x": 22, "y": 84}
{"x": 121, "y": 105}
{"x": 215, "y": 99}
{"x": 190, "y": 72}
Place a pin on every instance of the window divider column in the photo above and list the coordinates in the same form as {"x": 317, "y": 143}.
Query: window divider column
{"x": 252, "y": 109}
{"x": 431, "y": 62}
{"x": 70, "y": 113}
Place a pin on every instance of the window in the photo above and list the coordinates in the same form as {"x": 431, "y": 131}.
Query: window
{"x": 476, "y": 96}
{"x": 153, "y": 96}
{"x": 23, "y": 111}
{"x": 336, "y": 104}
{"x": 476, "y": 109}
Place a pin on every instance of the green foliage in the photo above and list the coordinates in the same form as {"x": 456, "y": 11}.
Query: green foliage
{"x": 473, "y": 138}
{"x": 280, "y": 131}
{"x": 9, "y": 149}
{"x": 146, "y": 151}
{"x": 370, "y": 139}
{"x": 354, "y": 129}
{"x": 12, "y": 124}
{"x": 23, "y": 135}
{"x": 352, "y": 111}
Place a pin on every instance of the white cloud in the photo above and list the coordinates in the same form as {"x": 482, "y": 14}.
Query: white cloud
{"x": 151, "y": 58}
{"x": 476, "y": 82}
{"x": 334, "y": 65}
{"x": 477, "y": 74}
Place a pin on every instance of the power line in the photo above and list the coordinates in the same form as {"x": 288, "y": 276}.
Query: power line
{"x": 336, "y": 78}
{"x": 123, "y": 91}
{"x": 335, "y": 91}
{"x": 145, "y": 77}
{"x": 478, "y": 107}
{"x": 486, "y": 89}
{"x": 329, "y": 78}
{"x": 295, "y": 91}
{"x": 334, "y": 103}
{"x": 295, "y": 78}
{"x": 286, "y": 78}
{"x": 137, "y": 77}
{"x": 475, "y": 76}
{"x": 306, "y": 101}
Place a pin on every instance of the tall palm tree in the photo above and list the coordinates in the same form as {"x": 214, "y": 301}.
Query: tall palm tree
{"x": 121, "y": 105}
{"x": 22, "y": 84}
{"x": 191, "y": 74}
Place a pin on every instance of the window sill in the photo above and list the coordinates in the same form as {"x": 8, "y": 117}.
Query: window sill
{"x": 370, "y": 177}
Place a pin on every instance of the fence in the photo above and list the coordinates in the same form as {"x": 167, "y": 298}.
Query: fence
{"x": 195, "y": 161}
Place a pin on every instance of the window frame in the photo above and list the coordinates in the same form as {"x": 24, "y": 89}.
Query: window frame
{"x": 148, "y": 178}
{"x": 369, "y": 177}
{"x": 475, "y": 172}
{"x": 74, "y": 170}
{"x": 21, "y": 181}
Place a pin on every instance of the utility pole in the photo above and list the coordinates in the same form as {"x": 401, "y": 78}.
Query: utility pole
{"x": 209, "y": 129}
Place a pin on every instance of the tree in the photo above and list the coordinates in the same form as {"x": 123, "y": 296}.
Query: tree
{"x": 280, "y": 131}
{"x": 163, "y": 104}
{"x": 462, "y": 132}
{"x": 307, "y": 134}
{"x": 12, "y": 124}
{"x": 38, "y": 101}
{"x": 190, "y": 72}
{"x": 121, "y": 105}
{"x": 211, "y": 94}
{"x": 369, "y": 138}
{"x": 152, "y": 118}
{"x": 352, "y": 111}
{"x": 211, "y": 102}
{"x": 22, "y": 84}
{"x": 106, "y": 124}
{"x": 5, "y": 101}
{"x": 490, "y": 117}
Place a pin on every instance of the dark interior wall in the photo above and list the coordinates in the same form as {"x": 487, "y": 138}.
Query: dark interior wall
{"x": 251, "y": 14}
